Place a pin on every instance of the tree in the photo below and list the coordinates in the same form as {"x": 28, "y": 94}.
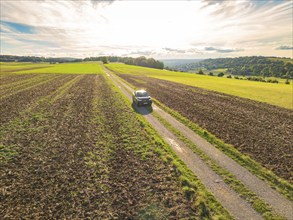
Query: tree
{"x": 104, "y": 60}
{"x": 200, "y": 72}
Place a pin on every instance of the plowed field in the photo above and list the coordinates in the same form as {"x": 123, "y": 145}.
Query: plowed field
{"x": 71, "y": 148}
{"x": 257, "y": 129}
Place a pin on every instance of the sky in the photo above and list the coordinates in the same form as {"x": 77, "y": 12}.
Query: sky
{"x": 160, "y": 29}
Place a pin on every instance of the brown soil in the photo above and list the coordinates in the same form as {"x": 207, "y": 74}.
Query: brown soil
{"x": 260, "y": 130}
{"x": 50, "y": 179}
{"x": 11, "y": 106}
{"x": 23, "y": 68}
{"x": 10, "y": 78}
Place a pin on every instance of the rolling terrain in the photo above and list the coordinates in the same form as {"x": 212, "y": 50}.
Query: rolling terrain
{"x": 72, "y": 146}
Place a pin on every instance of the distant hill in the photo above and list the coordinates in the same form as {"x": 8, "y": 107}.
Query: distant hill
{"x": 246, "y": 66}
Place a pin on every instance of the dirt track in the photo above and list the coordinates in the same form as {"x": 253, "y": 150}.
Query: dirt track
{"x": 260, "y": 130}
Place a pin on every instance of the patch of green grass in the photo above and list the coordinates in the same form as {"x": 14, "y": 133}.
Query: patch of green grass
{"x": 275, "y": 94}
{"x": 216, "y": 71}
{"x": 63, "y": 68}
{"x": 20, "y": 126}
{"x": 15, "y": 66}
{"x": 7, "y": 153}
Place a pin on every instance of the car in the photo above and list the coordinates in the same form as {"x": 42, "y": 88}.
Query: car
{"x": 141, "y": 97}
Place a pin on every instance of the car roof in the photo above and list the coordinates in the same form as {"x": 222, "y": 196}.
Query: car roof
{"x": 140, "y": 91}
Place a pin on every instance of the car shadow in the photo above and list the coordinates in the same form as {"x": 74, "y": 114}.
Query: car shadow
{"x": 143, "y": 110}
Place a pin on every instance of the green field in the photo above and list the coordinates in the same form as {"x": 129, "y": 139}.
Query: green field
{"x": 64, "y": 68}
{"x": 275, "y": 94}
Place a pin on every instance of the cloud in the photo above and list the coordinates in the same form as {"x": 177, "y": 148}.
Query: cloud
{"x": 210, "y": 49}
{"x": 199, "y": 29}
{"x": 284, "y": 48}
{"x": 174, "y": 50}
{"x": 141, "y": 53}
{"x": 226, "y": 8}
{"x": 104, "y": 2}
{"x": 222, "y": 50}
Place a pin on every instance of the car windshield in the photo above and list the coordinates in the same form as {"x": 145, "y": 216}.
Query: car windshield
{"x": 142, "y": 94}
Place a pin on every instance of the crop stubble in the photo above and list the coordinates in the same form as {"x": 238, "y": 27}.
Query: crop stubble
{"x": 12, "y": 105}
{"x": 11, "y": 78}
{"x": 80, "y": 157}
{"x": 260, "y": 130}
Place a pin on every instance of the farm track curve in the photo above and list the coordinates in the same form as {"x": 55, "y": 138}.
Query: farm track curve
{"x": 280, "y": 204}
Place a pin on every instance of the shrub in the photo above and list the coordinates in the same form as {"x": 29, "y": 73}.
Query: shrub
{"x": 229, "y": 76}
{"x": 211, "y": 74}
{"x": 272, "y": 81}
{"x": 221, "y": 74}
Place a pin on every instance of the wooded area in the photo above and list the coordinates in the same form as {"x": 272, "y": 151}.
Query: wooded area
{"x": 246, "y": 66}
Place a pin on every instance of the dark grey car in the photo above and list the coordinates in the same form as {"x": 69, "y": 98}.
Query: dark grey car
{"x": 141, "y": 97}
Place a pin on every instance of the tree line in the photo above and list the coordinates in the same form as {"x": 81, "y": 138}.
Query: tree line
{"x": 140, "y": 61}
{"x": 250, "y": 66}
{"x": 34, "y": 59}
